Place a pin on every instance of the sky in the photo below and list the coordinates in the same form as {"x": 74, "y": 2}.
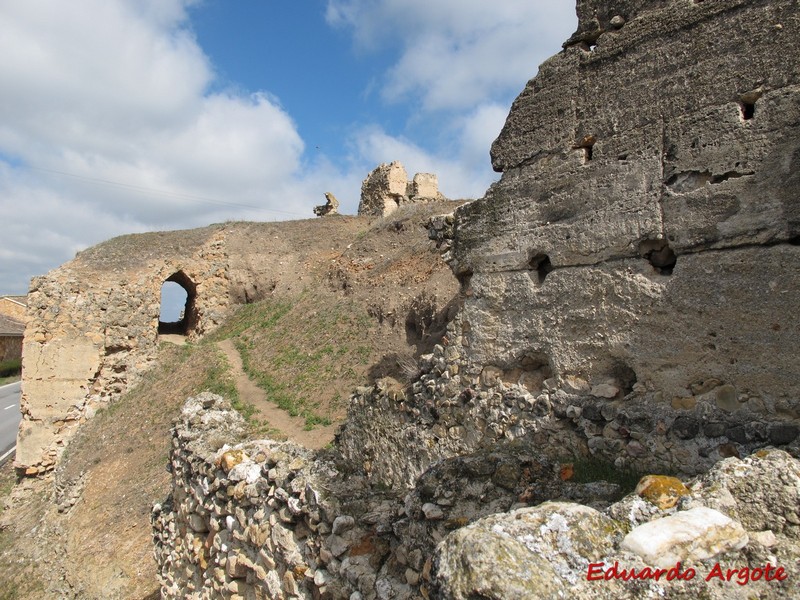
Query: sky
{"x": 125, "y": 116}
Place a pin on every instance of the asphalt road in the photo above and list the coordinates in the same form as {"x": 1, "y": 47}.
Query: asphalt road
{"x": 9, "y": 417}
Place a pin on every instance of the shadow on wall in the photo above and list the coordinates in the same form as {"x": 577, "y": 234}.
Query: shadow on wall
{"x": 174, "y": 318}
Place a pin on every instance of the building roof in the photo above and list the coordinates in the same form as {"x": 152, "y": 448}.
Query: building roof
{"x": 11, "y": 327}
{"x": 23, "y": 300}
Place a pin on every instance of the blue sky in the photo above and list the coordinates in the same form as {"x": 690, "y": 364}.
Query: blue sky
{"x": 122, "y": 116}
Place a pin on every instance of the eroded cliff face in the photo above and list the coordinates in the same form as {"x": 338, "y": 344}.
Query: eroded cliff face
{"x": 630, "y": 284}
{"x": 644, "y": 234}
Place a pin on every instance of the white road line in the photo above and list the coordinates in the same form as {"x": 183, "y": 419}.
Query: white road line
{"x": 9, "y": 406}
{"x": 2, "y": 458}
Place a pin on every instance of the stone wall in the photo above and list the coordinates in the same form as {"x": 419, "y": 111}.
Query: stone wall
{"x": 272, "y": 520}
{"x": 641, "y": 243}
{"x": 93, "y": 329}
{"x": 262, "y": 519}
{"x": 387, "y": 187}
{"x": 627, "y": 284}
{"x": 94, "y": 325}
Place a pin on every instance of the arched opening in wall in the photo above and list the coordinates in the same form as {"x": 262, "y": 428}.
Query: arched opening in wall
{"x": 178, "y": 315}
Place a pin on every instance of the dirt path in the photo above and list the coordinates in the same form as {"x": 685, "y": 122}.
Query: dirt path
{"x": 291, "y": 427}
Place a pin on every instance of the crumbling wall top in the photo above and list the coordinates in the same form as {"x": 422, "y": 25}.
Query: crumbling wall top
{"x": 387, "y": 187}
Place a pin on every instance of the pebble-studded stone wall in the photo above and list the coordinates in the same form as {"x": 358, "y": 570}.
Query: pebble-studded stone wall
{"x": 455, "y": 408}
{"x": 263, "y": 519}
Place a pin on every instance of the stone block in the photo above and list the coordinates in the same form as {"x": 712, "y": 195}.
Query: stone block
{"x": 697, "y": 534}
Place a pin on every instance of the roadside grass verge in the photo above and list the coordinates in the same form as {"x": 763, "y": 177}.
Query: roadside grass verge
{"x": 10, "y": 370}
{"x": 7, "y": 380}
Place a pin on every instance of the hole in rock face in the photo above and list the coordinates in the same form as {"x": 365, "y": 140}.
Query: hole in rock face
{"x": 530, "y": 371}
{"x": 542, "y": 265}
{"x": 660, "y": 255}
{"x": 748, "y": 110}
{"x": 626, "y": 377}
{"x": 178, "y": 313}
{"x": 465, "y": 279}
{"x": 586, "y": 145}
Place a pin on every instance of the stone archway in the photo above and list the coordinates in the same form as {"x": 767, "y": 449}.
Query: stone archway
{"x": 187, "y": 321}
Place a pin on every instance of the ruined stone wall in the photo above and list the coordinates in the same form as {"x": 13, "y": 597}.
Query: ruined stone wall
{"x": 627, "y": 294}
{"x": 387, "y": 187}
{"x": 93, "y": 324}
{"x": 93, "y": 328}
{"x": 262, "y": 519}
{"x": 631, "y": 275}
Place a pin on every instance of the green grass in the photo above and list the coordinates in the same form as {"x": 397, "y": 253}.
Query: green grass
{"x": 300, "y": 352}
{"x": 285, "y": 398}
{"x": 590, "y": 469}
{"x": 297, "y": 352}
{"x": 6, "y": 485}
{"x": 10, "y": 368}
{"x": 7, "y": 380}
{"x": 261, "y": 315}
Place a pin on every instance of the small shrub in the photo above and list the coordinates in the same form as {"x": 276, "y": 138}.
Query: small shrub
{"x": 9, "y": 368}
{"x": 592, "y": 468}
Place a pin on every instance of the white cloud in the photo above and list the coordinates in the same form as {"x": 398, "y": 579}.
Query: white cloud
{"x": 461, "y": 174}
{"x": 459, "y": 63}
{"x": 106, "y": 113}
{"x": 455, "y": 54}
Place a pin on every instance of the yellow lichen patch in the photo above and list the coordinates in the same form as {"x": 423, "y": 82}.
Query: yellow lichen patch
{"x": 300, "y": 571}
{"x": 661, "y": 490}
{"x": 230, "y": 459}
{"x": 456, "y": 522}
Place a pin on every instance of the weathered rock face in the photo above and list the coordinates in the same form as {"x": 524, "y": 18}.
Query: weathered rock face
{"x": 644, "y": 233}
{"x": 387, "y": 187}
{"x": 557, "y": 549}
